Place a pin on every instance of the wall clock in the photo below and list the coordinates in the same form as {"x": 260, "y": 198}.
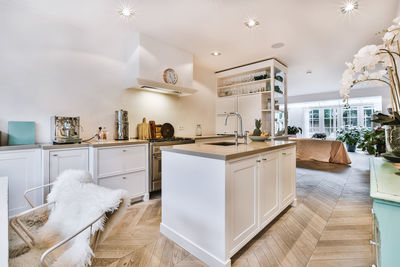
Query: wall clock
{"x": 170, "y": 76}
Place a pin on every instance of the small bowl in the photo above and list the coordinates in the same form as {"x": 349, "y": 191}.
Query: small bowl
{"x": 256, "y": 138}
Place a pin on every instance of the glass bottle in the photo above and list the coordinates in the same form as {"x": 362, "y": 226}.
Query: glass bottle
{"x": 198, "y": 130}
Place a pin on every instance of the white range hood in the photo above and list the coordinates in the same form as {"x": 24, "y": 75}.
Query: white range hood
{"x": 164, "y": 88}
{"x": 149, "y": 58}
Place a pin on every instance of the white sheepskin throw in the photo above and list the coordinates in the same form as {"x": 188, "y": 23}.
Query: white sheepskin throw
{"x": 78, "y": 202}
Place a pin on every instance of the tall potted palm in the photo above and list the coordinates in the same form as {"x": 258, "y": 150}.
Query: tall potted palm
{"x": 379, "y": 64}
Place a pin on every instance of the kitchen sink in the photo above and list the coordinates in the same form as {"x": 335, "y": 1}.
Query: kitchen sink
{"x": 222, "y": 143}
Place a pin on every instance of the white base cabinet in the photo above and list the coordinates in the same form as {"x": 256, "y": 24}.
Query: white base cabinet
{"x": 212, "y": 208}
{"x": 22, "y": 167}
{"x": 56, "y": 161}
{"x": 122, "y": 167}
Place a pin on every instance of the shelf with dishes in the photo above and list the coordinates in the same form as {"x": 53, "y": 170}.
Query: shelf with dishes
{"x": 256, "y": 91}
{"x": 261, "y": 86}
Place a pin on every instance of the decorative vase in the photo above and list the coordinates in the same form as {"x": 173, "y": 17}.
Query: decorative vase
{"x": 381, "y": 148}
{"x": 392, "y": 136}
{"x": 351, "y": 148}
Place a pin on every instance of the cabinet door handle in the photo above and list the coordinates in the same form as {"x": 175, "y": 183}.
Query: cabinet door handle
{"x": 284, "y": 153}
{"x": 373, "y": 243}
{"x": 124, "y": 178}
{"x": 55, "y": 155}
{"x": 258, "y": 160}
{"x": 264, "y": 159}
{"x": 372, "y": 211}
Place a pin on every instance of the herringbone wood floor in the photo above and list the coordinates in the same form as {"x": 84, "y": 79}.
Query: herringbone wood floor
{"x": 331, "y": 226}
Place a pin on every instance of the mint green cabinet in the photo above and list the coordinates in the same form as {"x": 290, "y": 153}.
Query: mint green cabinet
{"x": 385, "y": 191}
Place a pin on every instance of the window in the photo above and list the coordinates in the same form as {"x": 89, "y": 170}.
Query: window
{"x": 350, "y": 117}
{"x": 368, "y": 111}
{"x": 330, "y": 121}
{"x": 314, "y": 120}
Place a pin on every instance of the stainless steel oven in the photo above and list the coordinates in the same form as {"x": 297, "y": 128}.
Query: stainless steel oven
{"x": 155, "y": 159}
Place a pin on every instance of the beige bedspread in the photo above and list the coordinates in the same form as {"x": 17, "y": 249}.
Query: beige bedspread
{"x": 321, "y": 150}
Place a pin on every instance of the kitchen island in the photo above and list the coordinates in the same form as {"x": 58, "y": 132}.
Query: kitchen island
{"x": 216, "y": 197}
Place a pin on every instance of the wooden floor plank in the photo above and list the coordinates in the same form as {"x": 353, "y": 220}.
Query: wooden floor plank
{"x": 330, "y": 226}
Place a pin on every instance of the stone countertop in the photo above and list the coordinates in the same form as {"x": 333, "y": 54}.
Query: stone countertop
{"x": 83, "y": 144}
{"x": 20, "y": 147}
{"x": 228, "y": 152}
{"x": 384, "y": 182}
{"x": 118, "y": 143}
{"x": 208, "y": 136}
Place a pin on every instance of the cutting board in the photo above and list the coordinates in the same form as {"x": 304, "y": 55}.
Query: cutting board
{"x": 152, "y": 129}
{"x": 143, "y": 130}
{"x": 21, "y": 133}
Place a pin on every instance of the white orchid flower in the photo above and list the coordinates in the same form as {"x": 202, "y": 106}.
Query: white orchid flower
{"x": 367, "y": 57}
{"x": 363, "y": 76}
{"x": 378, "y": 75}
{"x": 392, "y": 34}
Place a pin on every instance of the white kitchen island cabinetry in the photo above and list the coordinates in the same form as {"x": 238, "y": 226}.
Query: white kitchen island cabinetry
{"x": 22, "y": 167}
{"x": 216, "y": 198}
{"x": 122, "y": 167}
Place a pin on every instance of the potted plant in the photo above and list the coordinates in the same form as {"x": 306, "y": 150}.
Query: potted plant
{"x": 373, "y": 141}
{"x": 350, "y": 137}
{"x": 294, "y": 130}
{"x": 379, "y": 64}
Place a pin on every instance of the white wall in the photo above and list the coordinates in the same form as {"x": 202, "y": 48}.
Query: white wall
{"x": 48, "y": 67}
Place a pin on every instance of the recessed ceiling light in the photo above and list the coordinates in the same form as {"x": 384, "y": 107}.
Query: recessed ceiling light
{"x": 126, "y": 12}
{"x": 278, "y": 45}
{"x": 251, "y": 23}
{"x": 349, "y": 6}
{"x": 309, "y": 72}
{"x": 215, "y": 53}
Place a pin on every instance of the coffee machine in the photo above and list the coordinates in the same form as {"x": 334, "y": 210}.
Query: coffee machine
{"x": 65, "y": 130}
{"x": 121, "y": 125}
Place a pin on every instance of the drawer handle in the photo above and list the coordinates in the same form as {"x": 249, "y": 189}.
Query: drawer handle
{"x": 373, "y": 243}
{"x": 258, "y": 160}
{"x": 55, "y": 155}
{"x": 123, "y": 150}
{"x": 124, "y": 178}
{"x": 284, "y": 153}
{"x": 264, "y": 159}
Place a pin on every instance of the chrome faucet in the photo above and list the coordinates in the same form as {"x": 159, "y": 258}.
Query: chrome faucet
{"x": 240, "y": 127}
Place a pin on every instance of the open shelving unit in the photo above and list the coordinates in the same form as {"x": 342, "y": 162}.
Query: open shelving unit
{"x": 247, "y": 90}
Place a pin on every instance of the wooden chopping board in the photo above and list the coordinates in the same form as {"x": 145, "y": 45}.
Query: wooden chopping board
{"x": 152, "y": 129}
{"x": 143, "y": 130}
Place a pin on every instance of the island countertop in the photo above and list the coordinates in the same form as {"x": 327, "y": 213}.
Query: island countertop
{"x": 208, "y": 150}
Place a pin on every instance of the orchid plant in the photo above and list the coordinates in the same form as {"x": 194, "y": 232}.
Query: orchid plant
{"x": 377, "y": 63}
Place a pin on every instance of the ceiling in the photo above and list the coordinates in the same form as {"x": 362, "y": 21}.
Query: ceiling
{"x": 317, "y": 36}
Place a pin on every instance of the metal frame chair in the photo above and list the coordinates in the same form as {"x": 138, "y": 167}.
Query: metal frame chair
{"x": 23, "y": 232}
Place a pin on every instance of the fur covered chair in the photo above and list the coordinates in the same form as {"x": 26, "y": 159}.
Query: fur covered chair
{"x": 66, "y": 230}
